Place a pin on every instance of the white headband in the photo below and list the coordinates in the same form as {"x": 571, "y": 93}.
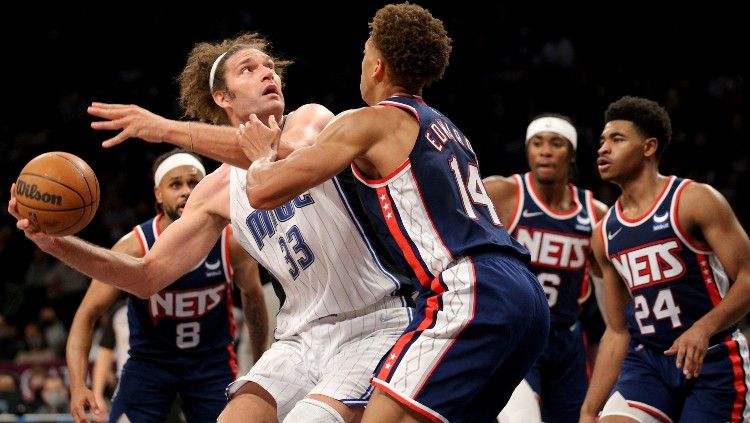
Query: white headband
{"x": 177, "y": 160}
{"x": 213, "y": 70}
{"x": 553, "y": 124}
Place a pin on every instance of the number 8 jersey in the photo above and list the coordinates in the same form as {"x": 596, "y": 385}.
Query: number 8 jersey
{"x": 191, "y": 315}
{"x": 672, "y": 282}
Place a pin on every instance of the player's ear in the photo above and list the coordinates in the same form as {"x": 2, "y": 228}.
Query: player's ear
{"x": 157, "y": 194}
{"x": 650, "y": 145}
{"x": 379, "y": 70}
{"x": 221, "y": 98}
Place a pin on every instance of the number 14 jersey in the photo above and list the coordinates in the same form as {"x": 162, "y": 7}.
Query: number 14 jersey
{"x": 434, "y": 208}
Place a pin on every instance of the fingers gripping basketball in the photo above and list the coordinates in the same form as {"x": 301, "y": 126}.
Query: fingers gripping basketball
{"x": 58, "y": 192}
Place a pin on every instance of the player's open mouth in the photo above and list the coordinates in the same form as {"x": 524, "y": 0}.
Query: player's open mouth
{"x": 602, "y": 164}
{"x": 271, "y": 89}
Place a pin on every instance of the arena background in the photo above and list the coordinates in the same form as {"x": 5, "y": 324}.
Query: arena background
{"x": 509, "y": 63}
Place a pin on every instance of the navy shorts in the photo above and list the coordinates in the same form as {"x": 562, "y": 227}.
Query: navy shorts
{"x": 472, "y": 340}
{"x": 560, "y": 377}
{"x": 148, "y": 387}
{"x": 651, "y": 382}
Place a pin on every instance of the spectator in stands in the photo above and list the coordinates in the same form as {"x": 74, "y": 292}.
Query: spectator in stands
{"x": 53, "y": 330}
{"x": 36, "y": 349}
{"x": 55, "y": 396}
{"x": 10, "y": 395}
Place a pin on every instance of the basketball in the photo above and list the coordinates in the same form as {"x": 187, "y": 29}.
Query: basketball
{"x": 58, "y": 192}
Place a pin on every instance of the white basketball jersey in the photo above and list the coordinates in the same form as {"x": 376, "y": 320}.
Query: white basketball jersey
{"x": 318, "y": 251}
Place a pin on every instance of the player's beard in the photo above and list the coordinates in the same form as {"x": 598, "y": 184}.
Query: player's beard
{"x": 173, "y": 213}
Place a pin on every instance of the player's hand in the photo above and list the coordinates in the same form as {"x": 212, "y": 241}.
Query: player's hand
{"x": 102, "y": 415}
{"x": 81, "y": 400}
{"x": 690, "y": 350}
{"x": 134, "y": 121}
{"x": 32, "y": 232}
{"x": 258, "y": 140}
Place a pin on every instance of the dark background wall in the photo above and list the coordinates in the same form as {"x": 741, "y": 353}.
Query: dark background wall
{"x": 510, "y": 62}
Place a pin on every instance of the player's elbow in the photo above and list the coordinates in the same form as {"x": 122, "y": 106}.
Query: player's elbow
{"x": 147, "y": 287}
{"x": 261, "y": 200}
{"x": 142, "y": 292}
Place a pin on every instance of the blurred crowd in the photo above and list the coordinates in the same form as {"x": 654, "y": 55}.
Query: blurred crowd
{"x": 508, "y": 65}
{"x": 33, "y": 375}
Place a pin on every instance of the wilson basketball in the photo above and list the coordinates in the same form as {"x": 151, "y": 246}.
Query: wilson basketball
{"x": 58, "y": 192}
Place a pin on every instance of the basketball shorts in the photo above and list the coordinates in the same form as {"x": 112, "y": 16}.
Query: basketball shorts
{"x": 475, "y": 335}
{"x": 333, "y": 356}
{"x": 148, "y": 387}
{"x": 650, "y": 382}
{"x": 560, "y": 376}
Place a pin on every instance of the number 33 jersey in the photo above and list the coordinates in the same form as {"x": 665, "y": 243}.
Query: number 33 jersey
{"x": 318, "y": 250}
{"x": 672, "y": 282}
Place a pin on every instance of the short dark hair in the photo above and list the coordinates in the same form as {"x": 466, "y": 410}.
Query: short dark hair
{"x": 648, "y": 116}
{"x": 414, "y": 44}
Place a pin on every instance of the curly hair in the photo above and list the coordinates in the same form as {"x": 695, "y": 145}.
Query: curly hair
{"x": 414, "y": 44}
{"x": 648, "y": 116}
{"x": 196, "y": 97}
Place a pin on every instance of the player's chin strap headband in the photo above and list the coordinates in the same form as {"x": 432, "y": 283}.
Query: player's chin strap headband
{"x": 553, "y": 124}
{"x": 213, "y": 70}
{"x": 177, "y": 160}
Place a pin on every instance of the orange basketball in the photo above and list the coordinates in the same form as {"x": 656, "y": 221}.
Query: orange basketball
{"x": 58, "y": 192}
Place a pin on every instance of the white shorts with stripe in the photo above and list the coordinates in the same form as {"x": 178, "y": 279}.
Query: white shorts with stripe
{"x": 334, "y": 356}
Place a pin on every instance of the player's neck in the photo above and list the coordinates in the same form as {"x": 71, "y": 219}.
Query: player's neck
{"x": 404, "y": 94}
{"x": 555, "y": 195}
{"x": 163, "y": 222}
{"x": 235, "y": 120}
{"x": 639, "y": 194}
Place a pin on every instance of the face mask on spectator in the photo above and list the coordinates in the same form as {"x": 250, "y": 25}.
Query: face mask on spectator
{"x": 35, "y": 342}
{"x": 55, "y": 399}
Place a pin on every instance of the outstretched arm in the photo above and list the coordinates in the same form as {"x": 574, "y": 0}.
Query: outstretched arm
{"x": 214, "y": 141}
{"x": 707, "y": 219}
{"x": 183, "y": 244}
{"x": 217, "y": 142}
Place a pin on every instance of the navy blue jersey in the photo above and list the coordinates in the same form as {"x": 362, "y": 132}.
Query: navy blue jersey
{"x": 433, "y": 208}
{"x": 559, "y": 245}
{"x": 193, "y": 314}
{"x": 672, "y": 283}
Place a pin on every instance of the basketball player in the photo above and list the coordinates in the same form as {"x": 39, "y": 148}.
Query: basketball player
{"x": 481, "y": 317}
{"x": 341, "y": 308}
{"x": 181, "y": 338}
{"x": 676, "y": 266}
{"x": 553, "y": 219}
